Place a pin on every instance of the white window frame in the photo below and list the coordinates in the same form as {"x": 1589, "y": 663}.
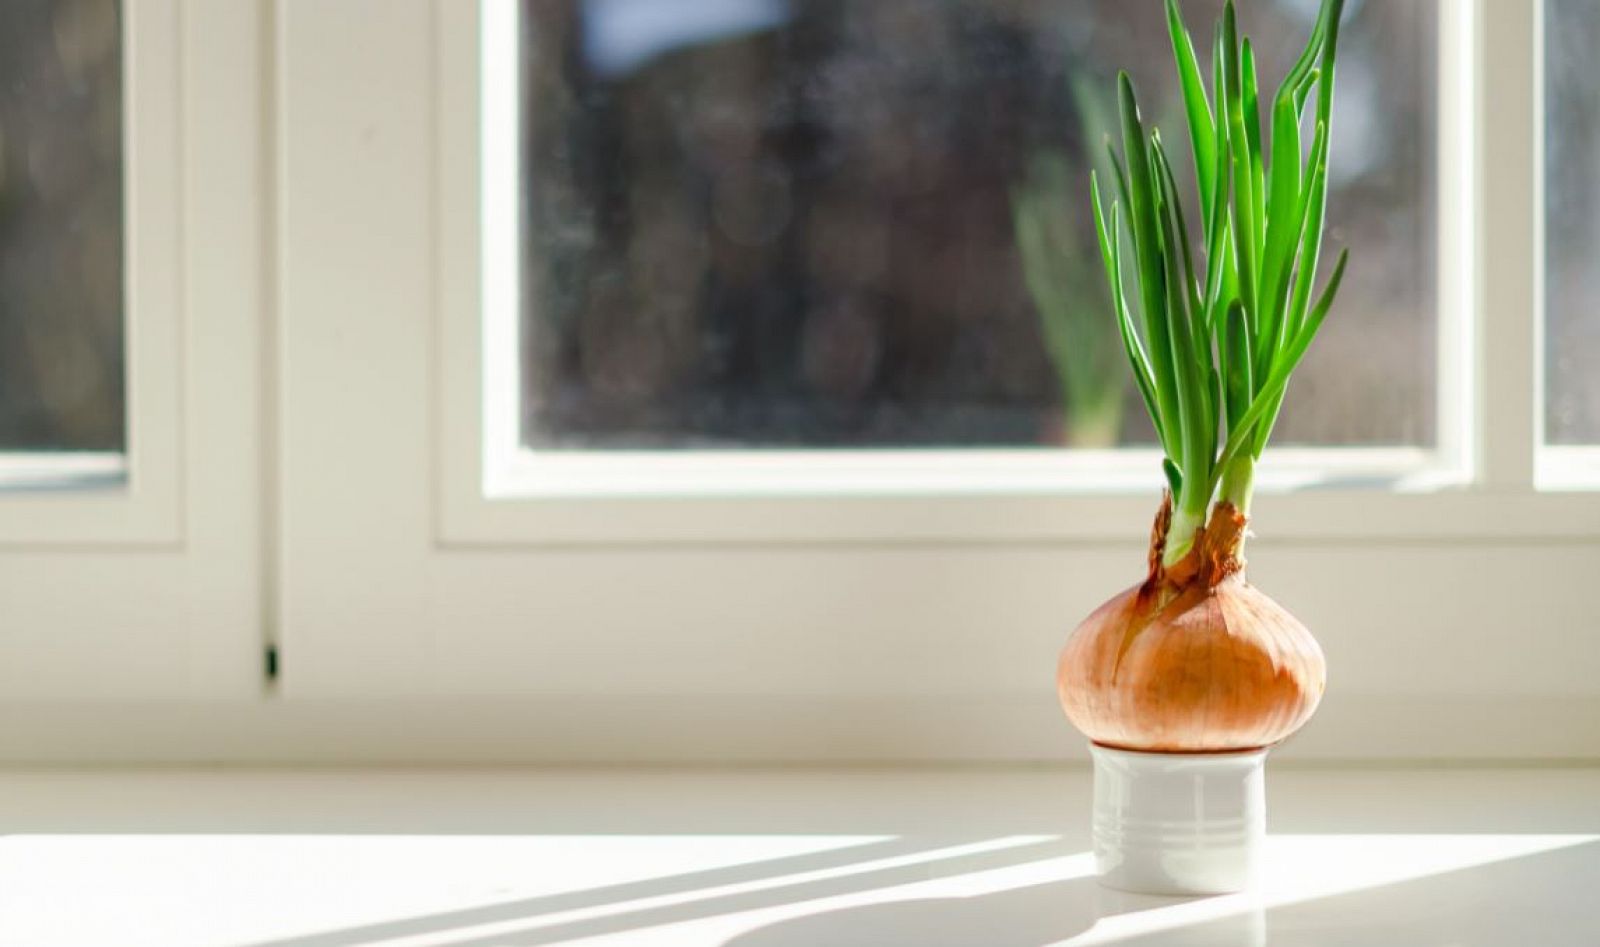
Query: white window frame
{"x": 317, "y": 237}
{"x": 636, "y": 622}
{"x": 1478, "y": 480}
{"x": 1568, "y": 468}
{"x": 132, "y": 497}
{"x": 138, "y": 576}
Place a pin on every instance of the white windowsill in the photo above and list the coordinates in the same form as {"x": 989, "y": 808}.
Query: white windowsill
{"x": 769, "y": 858}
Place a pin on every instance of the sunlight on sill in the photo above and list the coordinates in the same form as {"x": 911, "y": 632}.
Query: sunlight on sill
{"x": 734, "y": 890}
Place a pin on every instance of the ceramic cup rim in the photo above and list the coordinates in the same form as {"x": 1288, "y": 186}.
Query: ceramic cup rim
{"x": 1198, "y": 756}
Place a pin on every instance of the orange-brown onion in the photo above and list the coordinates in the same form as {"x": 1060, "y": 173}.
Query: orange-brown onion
{"x": 1193, "y": 659}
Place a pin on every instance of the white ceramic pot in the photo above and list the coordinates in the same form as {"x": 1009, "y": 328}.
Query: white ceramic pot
{"x": 1179, "y": 823}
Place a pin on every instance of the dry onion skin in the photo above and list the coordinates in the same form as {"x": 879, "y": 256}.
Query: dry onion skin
{"x": 1193, "y": 659}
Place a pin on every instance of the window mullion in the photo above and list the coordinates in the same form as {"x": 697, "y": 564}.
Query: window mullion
{"x": 1507, "y": 136}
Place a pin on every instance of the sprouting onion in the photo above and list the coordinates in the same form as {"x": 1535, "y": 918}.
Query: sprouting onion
{"x": 1194, "y": 658}
{"x": 1217, "y": 334}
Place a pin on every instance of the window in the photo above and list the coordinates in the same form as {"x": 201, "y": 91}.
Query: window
{"x": 61, "y": 243}
{"x": 1572, "y": 225}
{"x": 711, "y": 270}
{"x": 1569, "y": 452}
{"x": 131, "y": 245}
{"x": 757, "y": 224}
{"x": 91, "y": 273}
{"x": 455, "y": 371}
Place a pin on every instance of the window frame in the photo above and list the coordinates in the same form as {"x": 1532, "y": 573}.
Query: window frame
{"x": 149, "y": 585}
{"x": 1478, "y": 480}
{"x": 1557, "y": 467}
{"x": 325, "y": 345}
{"x": 670, "y": 628}
{"x": 135, "y": 497}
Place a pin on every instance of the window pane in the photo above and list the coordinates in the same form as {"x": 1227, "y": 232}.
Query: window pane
{"x": 832, "y": 223}
{"x": 1572, "y": 202}
{"x": 61, "y": 336}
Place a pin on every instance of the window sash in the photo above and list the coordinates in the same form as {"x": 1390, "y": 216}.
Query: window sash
{"x": 494, "y": 491}
{"x": 142, "y": 507}
{"x": 762, "y": 626}
{"x": 152, "y": 586}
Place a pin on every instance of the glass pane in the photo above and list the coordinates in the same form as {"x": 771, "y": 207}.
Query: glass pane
{"x": 832, "y": 223}
{"x": 1572, "y": 223}
{"x": 61, "y": 336}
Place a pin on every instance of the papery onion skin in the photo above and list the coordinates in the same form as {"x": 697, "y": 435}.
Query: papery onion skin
{"x": 1193, "y": 659}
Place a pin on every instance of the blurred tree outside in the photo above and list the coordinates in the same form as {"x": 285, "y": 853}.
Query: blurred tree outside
{"x": 1061, "y": 266}
{"x": 1069, "y": 292}
{"x": 61, "y": 280}
{"x": 775, "y": 223}
{"x": 1572, "y": 222}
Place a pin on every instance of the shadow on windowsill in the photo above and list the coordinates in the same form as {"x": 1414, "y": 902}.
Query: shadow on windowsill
{"x": 926, "y": 858}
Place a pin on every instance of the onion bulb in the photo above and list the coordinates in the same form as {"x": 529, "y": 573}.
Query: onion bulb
{"x": 1194, "y": 658}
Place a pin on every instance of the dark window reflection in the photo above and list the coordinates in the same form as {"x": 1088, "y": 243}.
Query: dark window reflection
{"x": 836, "y": 223}
{"x": 1572, "y": 233}
{"x": 61, "y": 345}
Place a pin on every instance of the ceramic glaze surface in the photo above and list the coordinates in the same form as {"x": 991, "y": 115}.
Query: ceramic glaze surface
{"x": 1179, "y": 823}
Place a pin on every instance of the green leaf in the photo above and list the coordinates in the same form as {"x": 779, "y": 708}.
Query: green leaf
{"x": 1169, "y": 188}
{"x": 1284, "y": 219}
{"x": 1316, "y": 194}
{"x": 1238, "y": 385}
{"x": 1218, "y": 233}
{"x": 1246, "y": 236}
{"x": 1188, "y": 368}
{"x": 1330, "y": 49}
{"x": 1263, "y": 432}
{"x": 1212, "y": 346}
{"x": 1202, "y": 132}
{"x": 1174, "y": 476}
{"x": 1320, "y": 312}
{"x": 1121, "y": 175}
{"x": 1313, "y": 208}
{"x": 1221, "y": 271}
{"x": 1214, "y": 405}
{"x": 1111, "y": 253}
{"x": 1270, "y": 418}
{"x": 1147, "y": 242}
{"x": 1219, "y": 84}
{"x": 1269, "y": 396}
{"x": 1252, "y": 129}
{"x": 1297, "y": 82}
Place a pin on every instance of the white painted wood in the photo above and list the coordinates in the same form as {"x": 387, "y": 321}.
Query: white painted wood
{"x": 145, "y": 507}
{"x": 1509, "y": 75}
{"x": 358, "y": 254}
{"x": 769, "y": 858}
{"x": 935, "y": 511}
{"x": 1569, "y": 468}
{"x": 152, "y": 590}
{"x": 744, "y": 728}
{"x": 308, "y": 368}
{"x": 1458, "y": 287}
{"x": 872, "y": 623}
{"x": 492, "y": 492}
